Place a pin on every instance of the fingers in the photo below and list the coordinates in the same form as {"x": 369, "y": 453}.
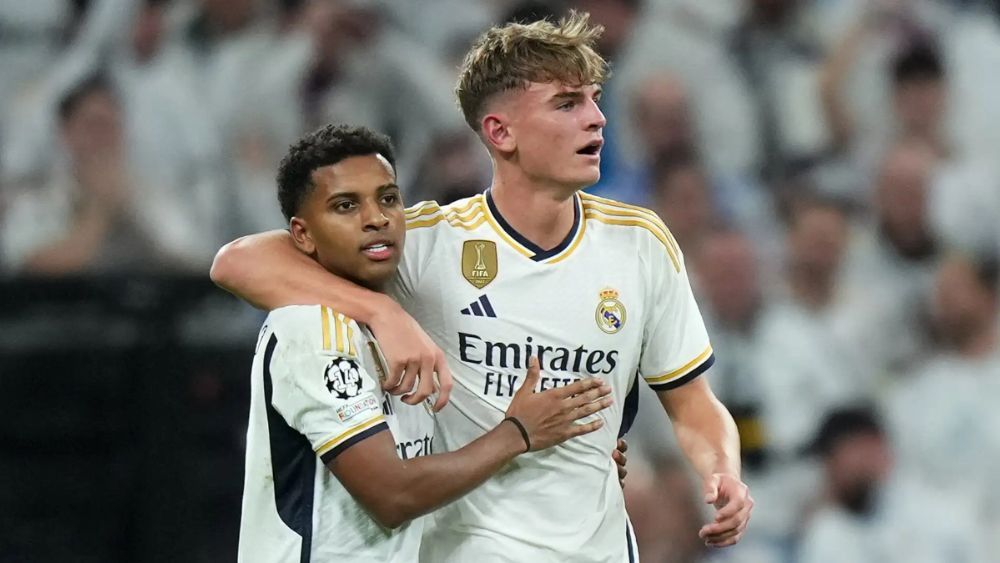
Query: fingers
{"x": 444, "y": 382}
{"x": 581, "y": 429}
{"x": 721, "y": 531}
{"x": 531, "y": 379}
{"x": 425, "y": 383}
{"x": 619, "y": 458}
{"x": 712, "y": 489}
{"x": 580, "y": 386}
{"x": 622, "y": 445}
{"x": 730, "y": 523}
{"x": 402, "y": 383}
{"x": 590, "y": 408}
{"x": 726, "y": 538}
{"x": 589, "y": 396}
{"x": 395, "y": 375}
{"x": 730, "y": 509}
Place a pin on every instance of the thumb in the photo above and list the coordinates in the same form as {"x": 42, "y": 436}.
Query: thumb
{"x": 712, "y": 489}
{"x": 531, "y": 379}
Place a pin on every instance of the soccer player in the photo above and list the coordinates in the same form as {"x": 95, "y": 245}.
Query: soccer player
{"x": 316, "y": 402}
{"x": 533, "y": 267}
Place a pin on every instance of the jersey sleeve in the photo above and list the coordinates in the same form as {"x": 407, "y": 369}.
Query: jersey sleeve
{"x": 676, "y": 347}
{"x": 319, "y": 384}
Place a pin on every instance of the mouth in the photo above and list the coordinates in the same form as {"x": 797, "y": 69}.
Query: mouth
{"x": 591, "y": 149}
{"x": 379, "y": 250}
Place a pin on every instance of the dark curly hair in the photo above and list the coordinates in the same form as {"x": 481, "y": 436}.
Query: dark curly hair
{"x": 324, "y": 147}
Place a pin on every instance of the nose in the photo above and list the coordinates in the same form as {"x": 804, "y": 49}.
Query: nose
{"x": 595, "y": 118}
{"x": 373, "y": 217}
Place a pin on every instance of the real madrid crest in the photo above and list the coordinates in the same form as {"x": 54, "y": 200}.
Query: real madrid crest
{"x": 610, "y": 315}
{"x": 479, "y": 262}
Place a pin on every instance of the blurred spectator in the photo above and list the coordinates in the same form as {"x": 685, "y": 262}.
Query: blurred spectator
{"x": 778, "y": 53}
{"x": 87, "y": 218}
{"x": 455, "y": 167}
{"x": 871, "y": 513}
{"x": 682, "y": 197}
{"x": 917, "y": 90}
{"x": 673, "y": 170}
{"x": 893, "y": 258}
{"x": 687, "y": 40}
{"x": 806, "y": 358}
{"x": 32, "y": 34}
{"x": 385, "y": 80}
{"x": 731, "y": 300}
{"x": 945, "y": 418}
{"x": 663, "y": 506}
{"x": 661, "y": 118}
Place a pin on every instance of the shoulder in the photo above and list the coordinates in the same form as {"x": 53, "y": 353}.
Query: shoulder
{"x": 465, "y": 214}
{"x": 633, "y": 221}
{"x": 315, "y": 328}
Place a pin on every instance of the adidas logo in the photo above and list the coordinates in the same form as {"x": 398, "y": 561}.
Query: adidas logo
{"x": 480, "y": 308}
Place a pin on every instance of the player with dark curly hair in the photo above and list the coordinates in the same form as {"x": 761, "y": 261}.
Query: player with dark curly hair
{"x": 337, "y": 470}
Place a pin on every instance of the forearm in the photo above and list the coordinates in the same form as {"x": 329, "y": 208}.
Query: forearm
{"x": 430, "y": 482}
{"x": 705, "y": 430}
{"x": 269, "y": 272}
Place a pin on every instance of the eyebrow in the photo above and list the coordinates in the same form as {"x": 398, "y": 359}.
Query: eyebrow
{"x": 381, "y": 189}
{"x": 575, "y": 94}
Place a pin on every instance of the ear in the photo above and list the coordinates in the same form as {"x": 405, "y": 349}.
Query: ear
{"x": 301, "y": 236}
{"x": 496, "y": 130}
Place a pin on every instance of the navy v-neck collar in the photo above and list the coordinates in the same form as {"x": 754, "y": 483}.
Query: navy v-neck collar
{"x": 538, "y": 253}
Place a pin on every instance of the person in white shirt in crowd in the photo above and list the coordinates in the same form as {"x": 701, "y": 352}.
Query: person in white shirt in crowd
{"x": 728, "y": 279}
{"x": 85, "y": 219}
{"x": 945, "y": 417}
{"x": 676, "y": 170}
{"x": 807, "y": 357}
{"x": 892, "y": 259}
{"x": 171, "y": 140}
{"x": 871, "y": 512}
{"x": 688, "y": 40}
{"x": 663, "y": 501}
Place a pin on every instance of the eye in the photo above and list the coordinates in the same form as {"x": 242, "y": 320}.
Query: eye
{"x": 390, "y": 199}
{"x": 344, "y": 205}
{"x": 565, "y": 106}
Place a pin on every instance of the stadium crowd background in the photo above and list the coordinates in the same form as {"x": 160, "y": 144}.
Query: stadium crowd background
{"x": 829, "y": 167}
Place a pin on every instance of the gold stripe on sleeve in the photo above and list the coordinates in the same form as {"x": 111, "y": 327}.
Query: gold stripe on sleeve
{"x": 339, "y": 331}
{"x": 325, "y": 315}
{"x": 334, "y": 442}
{"x": 683, "y": 370}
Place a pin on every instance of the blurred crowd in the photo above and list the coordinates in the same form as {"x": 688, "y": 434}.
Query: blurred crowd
{"x": 829, "y": 168}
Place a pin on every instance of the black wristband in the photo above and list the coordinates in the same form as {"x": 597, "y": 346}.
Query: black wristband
{"x": 522, "y": 429}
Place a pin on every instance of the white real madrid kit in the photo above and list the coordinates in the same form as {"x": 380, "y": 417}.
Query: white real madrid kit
{"x": 314, "y": 394}
{"x": 612, "y": 300}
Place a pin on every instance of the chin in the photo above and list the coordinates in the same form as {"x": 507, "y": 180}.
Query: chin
{"x": 376, "y": 276}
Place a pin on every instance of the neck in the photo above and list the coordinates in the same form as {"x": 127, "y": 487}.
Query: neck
{"x": 543, "y": 213}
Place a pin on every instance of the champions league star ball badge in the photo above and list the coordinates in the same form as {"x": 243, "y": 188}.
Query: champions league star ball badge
{"x": 343, "y": 378}
{"x": 610, "y": 313}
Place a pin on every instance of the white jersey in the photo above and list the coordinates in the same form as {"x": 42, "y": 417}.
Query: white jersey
{"x": 315, "y": 393}
{"x": 612, "y": 300}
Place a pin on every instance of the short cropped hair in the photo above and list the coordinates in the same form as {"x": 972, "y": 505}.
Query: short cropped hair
{"x": 512, "y": 55}
{"x": 324, "y": 147}
{"x": 919, "y": 61}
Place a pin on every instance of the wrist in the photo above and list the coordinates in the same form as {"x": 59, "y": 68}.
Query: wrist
{"x": 380, "y": 307}
{"x": 512, "y": 441}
